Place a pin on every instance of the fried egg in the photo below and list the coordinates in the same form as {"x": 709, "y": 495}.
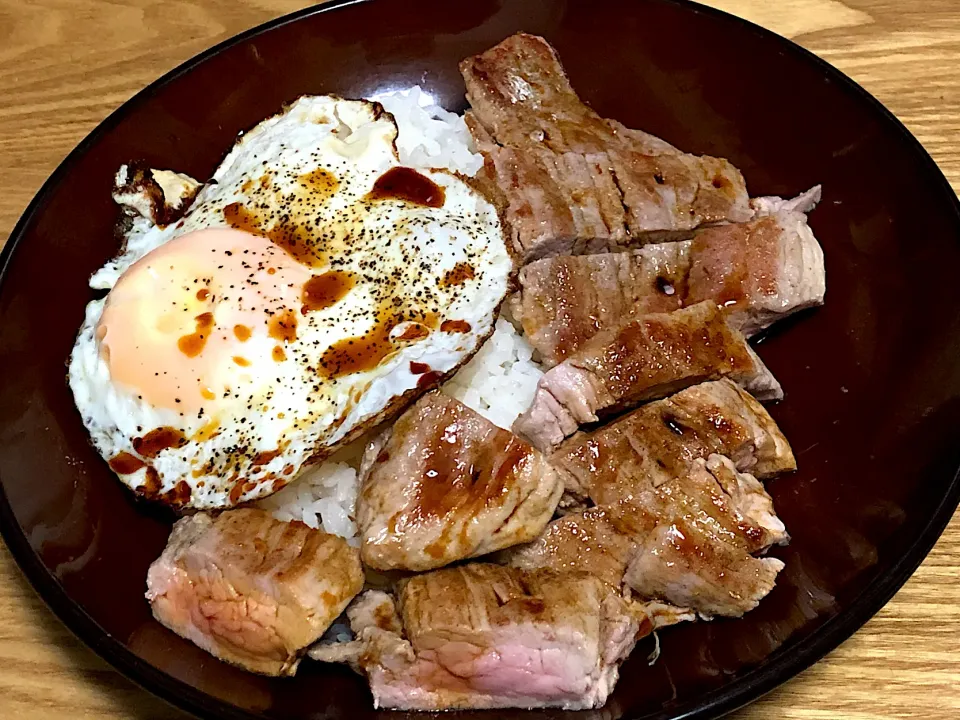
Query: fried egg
{"x": 312, "y": 287}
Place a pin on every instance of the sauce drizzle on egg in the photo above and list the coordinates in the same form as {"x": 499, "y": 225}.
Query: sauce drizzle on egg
{"x": 323, "y": 291}
{"x": 460, "y": 273}
{"x": 192, "y": 345}
{"x": 283, "y": 233}
{"x": 157, "y": 440}
{"x": 455, "y": 326}
{"x": 321, "y": 182}
{"x": 406, "y": 184}
{"x": 283, "y": 326}
{"x": 124, "y": 463}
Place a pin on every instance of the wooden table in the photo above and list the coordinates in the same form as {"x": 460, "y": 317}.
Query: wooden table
{"x": 65, "y": 64}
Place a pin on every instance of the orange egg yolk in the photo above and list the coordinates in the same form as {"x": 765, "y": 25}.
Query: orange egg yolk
{"x": 180, "y": 327}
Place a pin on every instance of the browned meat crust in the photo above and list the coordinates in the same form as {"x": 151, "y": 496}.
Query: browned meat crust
{"x": 647, "y": 358}
{"x": 573, "y": 182}
{"x": 758, "y": 271}
{"x": 445, "y": 484}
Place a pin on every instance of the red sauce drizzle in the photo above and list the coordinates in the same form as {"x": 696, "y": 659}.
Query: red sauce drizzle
{"x": 418, "y": 368}
{"x": 283, "y": 326}
{"x": 455, "y": 326}
{"x": 428, "y": 380}
{"x": 406, "y": 184}
{"x": 192, "y": 345}
{"x": 323, "y": 291}
{"x": 157, "y": 440}
{"x": 460, "y": 273}
{"x": 125, "y": 463}
{"x": 413, "y": 332}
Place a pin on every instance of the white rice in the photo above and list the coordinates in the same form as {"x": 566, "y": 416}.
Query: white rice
{"x": 498, "y": 382}
{"x": 430, "y": 137}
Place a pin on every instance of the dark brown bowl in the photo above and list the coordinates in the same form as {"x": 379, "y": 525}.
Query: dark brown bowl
{"x": 872, "y": 380}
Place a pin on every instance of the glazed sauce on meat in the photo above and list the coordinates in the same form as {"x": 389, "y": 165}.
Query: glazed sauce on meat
{"x": 192, "y": 345}
{"x": 730, "y": 263}
{"x": 672, "y": 425}
{"x": 124, "y": 463}
{"x": 323, "y": 291}
{"x": 406, "y": 184}
{"x": 450, "y": 485}
{"x": 665, "y": 286}
{"x": 157, "y": 440}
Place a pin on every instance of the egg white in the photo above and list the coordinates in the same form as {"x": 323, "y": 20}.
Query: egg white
{"x": 392, "y": 246}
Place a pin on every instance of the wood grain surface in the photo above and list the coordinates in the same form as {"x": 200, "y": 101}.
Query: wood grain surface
{"x": 66, "y": 64}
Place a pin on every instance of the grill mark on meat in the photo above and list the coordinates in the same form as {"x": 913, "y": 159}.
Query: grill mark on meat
{"x": 645, "y": 358}
{"x": 452, "y": 486}
{"x": 622, "y": 198}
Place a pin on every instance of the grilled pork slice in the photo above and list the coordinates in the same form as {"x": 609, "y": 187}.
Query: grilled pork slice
{"x": 759, "y": 271}
{"x": 564, "y": 301}
{"x": 649, "y": 357}
{"x": 659, "y": 442}
{"x": 763, "y": 270}
{"x": 251, "y": 590}
{"x": 487, "y": 636}
{"x": 703, "y": 531}
{"x": 573, "y": 181}
{"x": 685, "y": 546}
{"x": 596, "y": 541}
{"x": 446, "y": 484}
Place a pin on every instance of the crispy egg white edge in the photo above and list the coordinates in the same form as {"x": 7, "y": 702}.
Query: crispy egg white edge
{"x": 113, "y": 417}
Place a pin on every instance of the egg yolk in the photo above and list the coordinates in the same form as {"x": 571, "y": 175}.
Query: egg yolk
{"x": 195, "y": 318}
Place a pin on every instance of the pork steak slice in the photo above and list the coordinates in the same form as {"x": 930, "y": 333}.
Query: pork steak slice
{"x": 252, "y": 590}
{"x": 445, "y": 484}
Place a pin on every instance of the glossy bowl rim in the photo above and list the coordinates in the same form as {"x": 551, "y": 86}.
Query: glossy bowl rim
{"x": 713, "y": 704}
